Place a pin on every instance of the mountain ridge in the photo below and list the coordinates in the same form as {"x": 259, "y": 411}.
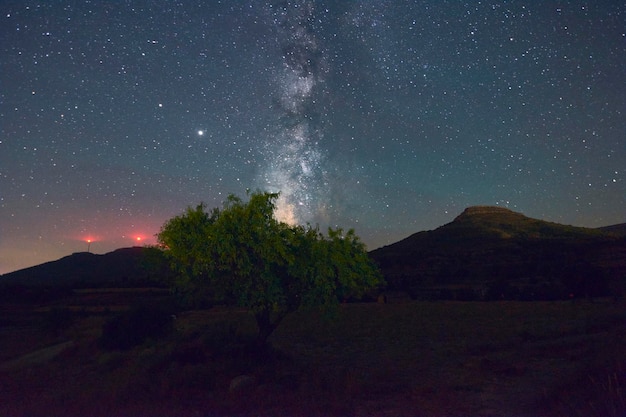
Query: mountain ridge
{"x": 123, "y": 267}
{"x": 508, "y": 223}
{"x": 484, "y": 249}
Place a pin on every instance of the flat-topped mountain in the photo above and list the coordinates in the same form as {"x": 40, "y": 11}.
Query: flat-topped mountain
{"x": 493, "y": 252}
{"x": 506, "y": 223}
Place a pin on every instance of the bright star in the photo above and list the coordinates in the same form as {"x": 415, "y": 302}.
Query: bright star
{"x": 200, "y": 132}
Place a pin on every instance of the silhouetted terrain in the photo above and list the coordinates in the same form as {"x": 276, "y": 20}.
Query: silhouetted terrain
{"x": 490, "y": 253}
{"x": 616, "y": 229}
{"x": 127, "y": 267}
{"x": 80, "y": 336}
{"x": 486, "y": 253}
{"x": 91, "y": 356}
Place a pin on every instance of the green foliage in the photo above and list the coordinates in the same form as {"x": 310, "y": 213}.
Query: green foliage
{"x": 155, "y": 267}
{"x": 242, "y": 255}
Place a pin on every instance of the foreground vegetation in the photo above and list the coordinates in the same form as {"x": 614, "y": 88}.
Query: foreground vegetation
{"x": 415, "y": 358}
{"x": 242, "y": 255}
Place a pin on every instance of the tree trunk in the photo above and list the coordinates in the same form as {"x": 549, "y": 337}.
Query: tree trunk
{"x": 266, "y": 325}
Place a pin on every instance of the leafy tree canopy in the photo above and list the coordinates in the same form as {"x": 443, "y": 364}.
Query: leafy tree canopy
{"x": 241, "y": 254}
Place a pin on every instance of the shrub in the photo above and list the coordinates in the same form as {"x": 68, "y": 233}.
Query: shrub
{"x": 133, "y": 327}
{"x": 56, "y": 320}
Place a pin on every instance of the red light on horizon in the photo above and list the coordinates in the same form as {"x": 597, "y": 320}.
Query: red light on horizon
{"x": 89, "y": 241}
{"x": 138, "y": 239}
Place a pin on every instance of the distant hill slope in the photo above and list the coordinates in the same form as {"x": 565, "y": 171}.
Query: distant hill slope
{"x": 493, "y": 252}
{"x": 616, "y": 229}
{"x": 127, "y": 267}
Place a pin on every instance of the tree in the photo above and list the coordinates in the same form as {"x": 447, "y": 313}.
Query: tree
{"x": 242, "y": 255}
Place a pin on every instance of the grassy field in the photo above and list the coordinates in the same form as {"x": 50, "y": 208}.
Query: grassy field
{"x": 411, "y": 359}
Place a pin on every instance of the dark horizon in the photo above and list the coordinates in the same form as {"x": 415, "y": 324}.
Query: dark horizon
{"x": 620, "y": 227}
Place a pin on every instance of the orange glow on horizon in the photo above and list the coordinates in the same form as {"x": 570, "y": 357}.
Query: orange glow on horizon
{"x": 89, "y": 241}
{"x": 138, "y": 238}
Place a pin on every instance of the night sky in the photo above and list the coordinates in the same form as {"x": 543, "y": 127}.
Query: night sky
{"x": 389, "y": 117}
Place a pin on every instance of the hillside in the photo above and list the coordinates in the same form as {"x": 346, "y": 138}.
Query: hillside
{"x": 494, "y": 253}
{"x": 616, "y": 229}
{"x": 126, "y": 267}
{"x": 485, "y": 253}
{"x": 67, "y": 352}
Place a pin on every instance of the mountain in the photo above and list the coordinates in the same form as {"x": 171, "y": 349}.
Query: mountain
{"x": 127, "y": 267}
{"x": 485, "y": 253}
{"x": 493, "y": 253}
{"x": 616, "y": 230}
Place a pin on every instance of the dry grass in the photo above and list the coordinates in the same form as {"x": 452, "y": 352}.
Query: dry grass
{"x": 610, "y": 400}
{"x": 427, "y": 359}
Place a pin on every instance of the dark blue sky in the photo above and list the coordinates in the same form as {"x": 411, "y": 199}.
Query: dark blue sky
{"x": 389, "y": 117}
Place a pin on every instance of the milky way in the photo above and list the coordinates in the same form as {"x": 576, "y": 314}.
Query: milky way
{"x": 389, "y": 117}
{"x": 292, "y": 152}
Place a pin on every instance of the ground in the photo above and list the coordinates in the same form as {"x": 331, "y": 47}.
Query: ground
{"x": 408, "y": 359}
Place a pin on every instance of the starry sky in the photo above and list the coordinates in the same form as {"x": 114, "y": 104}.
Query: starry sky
{"x": 389, "y": 117}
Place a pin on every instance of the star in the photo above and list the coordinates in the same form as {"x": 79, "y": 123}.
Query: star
{"x": 386, "y": 117}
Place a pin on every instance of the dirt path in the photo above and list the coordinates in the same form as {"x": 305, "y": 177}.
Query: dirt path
{"x": 37, "y": 357}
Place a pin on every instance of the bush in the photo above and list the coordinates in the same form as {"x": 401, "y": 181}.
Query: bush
{"x": 135, "y": 326}
{"x": 56, "y": 320}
